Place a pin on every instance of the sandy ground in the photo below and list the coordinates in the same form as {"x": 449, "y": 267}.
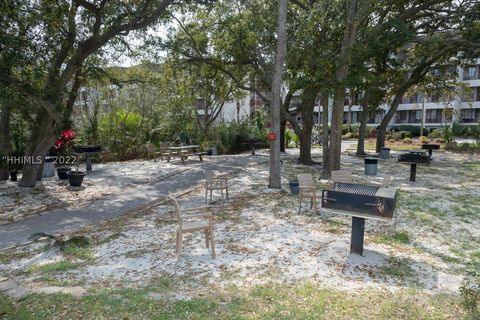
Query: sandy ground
{"x": 261, "y": 238}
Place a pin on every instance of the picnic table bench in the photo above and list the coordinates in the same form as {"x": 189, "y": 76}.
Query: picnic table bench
{"x": 184, "y": 151}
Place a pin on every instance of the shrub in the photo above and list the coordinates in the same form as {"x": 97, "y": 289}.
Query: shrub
{"x": 296, "y": 140}
{"x": 449, "y": 135}
{"x": 122, "y": 132}
{"x": 414, "y": 130}
{"x": 423, "y": 139}
{"x": 229, "y": 137}
{"x": 470, "y": 289}
{"x": 348, "y": 135}
{"x": 370, "y": 132}
{"x": 407, "y": 140}
{"x": 435, "y": 134}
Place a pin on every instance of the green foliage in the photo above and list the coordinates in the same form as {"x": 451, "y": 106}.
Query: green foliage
{"x": 414, "y": 130}
{"x": 407, "y": 140}
{"x": 122, "y": 132}
{"x": 435, "y": 134}
{"x": 470, "y": 289}
{"x": 295, "y": 140}
{"x": 449, "y": 135}
{"x": 229, "y": 137}
{"x": 399, "y": 135}
{"x": 423, "y": 139}
{"x": 268, "y": 301}
{"x": 401, "y": 237}
{"x": 53, "y": 267}
{"x": 288, "y": 138}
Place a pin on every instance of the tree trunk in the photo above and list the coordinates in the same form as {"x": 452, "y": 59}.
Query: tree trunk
{"x": 283, "y": 125}
{"x": 361, "y": 131}
{"x": 4, "y": 139}
{"x": 382, "y": 128}
{"x": 342, "y": 65}
{"x": 305, "y": 132}
{"x": 40, "y": 142}
{"x": 335, "y": 146}
{"x": 325, "y": 150}
{"x": 274, "y": 174}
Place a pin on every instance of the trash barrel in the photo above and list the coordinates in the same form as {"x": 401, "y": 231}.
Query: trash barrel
{"x": 214, "y": 150}
{"x": 385, "y": 153}
{"x": 371, "y": 166}
{"x": 48, "y": 168}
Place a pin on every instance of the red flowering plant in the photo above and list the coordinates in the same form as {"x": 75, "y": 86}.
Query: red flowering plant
{"x": 64, "y": 142}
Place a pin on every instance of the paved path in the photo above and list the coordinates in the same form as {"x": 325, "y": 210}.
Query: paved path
{"x": 60, "y": 221}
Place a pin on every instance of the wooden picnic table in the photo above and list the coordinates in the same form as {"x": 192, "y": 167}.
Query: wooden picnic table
{"x": 184, "y": 151}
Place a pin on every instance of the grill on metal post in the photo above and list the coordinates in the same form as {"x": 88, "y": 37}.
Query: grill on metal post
{"x": 414, "y": 158}
{"x": 360, "y": 201}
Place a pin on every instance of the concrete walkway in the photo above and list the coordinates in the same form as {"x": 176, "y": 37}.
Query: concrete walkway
{"x": 60, "y": 221}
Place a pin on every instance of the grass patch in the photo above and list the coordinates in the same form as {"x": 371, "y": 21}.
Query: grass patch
{"x": 399, "y": 268}
{"x": 300, "y": 301}
{"x": 400, "y": 237}
{"x": 52, "y": 267}
{"x": 6, "y": 257}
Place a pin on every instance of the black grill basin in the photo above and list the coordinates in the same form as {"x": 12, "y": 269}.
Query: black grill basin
{"x": 87, "y": 148}
{"x": 414, "y": 157}
{"x": 361, "y": 200}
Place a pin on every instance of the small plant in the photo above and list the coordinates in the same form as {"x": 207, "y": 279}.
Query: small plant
{"x": 423, "y": 139}
{"x": 470, "y": 289}
{"x": 296, "y": 140}
{"x": 398, "y": 237}
{"x": 407, "y": 140}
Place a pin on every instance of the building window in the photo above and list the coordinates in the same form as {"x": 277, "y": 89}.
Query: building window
{"x": 415, "y": 116}
{"x": 355, "y": 117}
{"x": 433, "y": 116}
{"x": 402, "y": 115}
{"x": 467, "y": 115}
{"x": 477, "y": 93}
{"x": 470, "y": 73}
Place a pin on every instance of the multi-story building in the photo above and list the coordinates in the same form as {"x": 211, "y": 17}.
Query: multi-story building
{"x": 434, "y": 110}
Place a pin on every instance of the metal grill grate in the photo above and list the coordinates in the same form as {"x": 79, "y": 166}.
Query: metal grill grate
{"x": 356, "y": 189}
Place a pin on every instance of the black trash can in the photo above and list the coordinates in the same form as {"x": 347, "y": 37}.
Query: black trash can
{"x": 371, "y": 166}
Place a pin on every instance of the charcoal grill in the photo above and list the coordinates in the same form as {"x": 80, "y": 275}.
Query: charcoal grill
{"x": 252, "y": 143}
{"x": 89, "y": 151}
{"x": 414, "y": 158}
{"x": 361, "y": 201}
{"x": 430, "y": 147}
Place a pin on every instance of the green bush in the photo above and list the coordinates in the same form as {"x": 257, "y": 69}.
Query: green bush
{"x": 370, "y": 131}
{"x": 349, "y": 128}
{"x": 435, "y": 134}
{"x": 288, "y": 138}
{"x": 296, "y": 140}
{"x": 122, "y": 132}
{"x": 407, "y": 140}
{"x": 229, "y": 137}
{"x": 348, "y": 135}
{"x": 414, "y": 130}
{"x": 449, "y": 135}
{"x": 470, "y": 289}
